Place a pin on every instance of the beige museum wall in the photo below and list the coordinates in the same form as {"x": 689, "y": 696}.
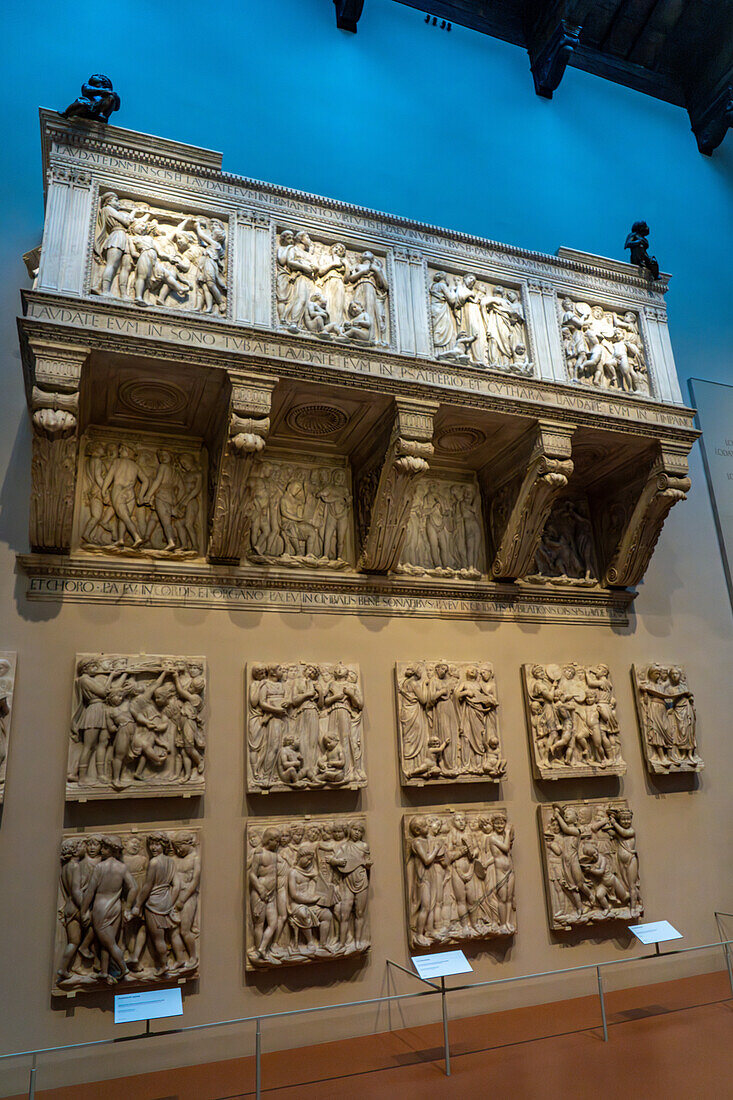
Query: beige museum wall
{"x": 684, "y": 825}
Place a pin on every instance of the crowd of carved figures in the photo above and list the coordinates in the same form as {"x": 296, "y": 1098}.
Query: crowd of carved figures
{"x": 566, "y": 550}
{"x": 574, "y": 730}
{"x": 448, "y": 723}
{"x": 304, "y": 727}
{"x": 329, "y": 291}
{"x": 476, "y": 322}
{"x": 459, "y": 875}
{"x": 158, "y": 257}
{"x": 140, "y": 496}
{"x": 666, "y": 710}
{"x": 301, "y": 514}
{"x": 444, "y": 532}
{"x": 137, "y": 727}
{"x": 128, "y": 908}
{"x": 603, "y": 348}
{"x": 7, "y": 683}
{"x": 307, "y": 890}
{"x": 591, "y": 862}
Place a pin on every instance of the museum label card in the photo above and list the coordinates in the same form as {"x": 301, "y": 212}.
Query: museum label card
{"x": 441, "y": 964}
{"x": 151, "y": 1004}
{"x": 657, "y": 931}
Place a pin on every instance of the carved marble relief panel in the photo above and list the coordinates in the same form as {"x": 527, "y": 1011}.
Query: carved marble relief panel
{"x": 445, "y": 531}
{"x": 566, "y": 554}
{"x": 140, "y": 495}
{"x": 478, "y": 323}
{"x": 604, "y": 348}
{"x": 304, "y": 727}
{"x": 128, "y": 909}
{"x": 459, "y": 875}
{"x": 307, "y": 886}
{"x": 138, "y": 727}
{"x": 148, "y": 256}
{"x": 666, "y": 710}
{"x": 7, "y": 686}
{"x": 331, "y": 291}
{"x": 302, "y": 514}
{"x": 590, "y": 861}
{"x": 448, "y": 729}
{"x": 571, "y": 713}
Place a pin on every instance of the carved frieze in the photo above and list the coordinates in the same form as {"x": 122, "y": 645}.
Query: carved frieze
{"x": 128, "y": 909}
{"x": 140, "y": 495}
{"x": 304, "y": 727}
{"x": 459, "y": 875}
{"x": 566, "y": 553}
{"x": 590, "y": 861}
{"x": 604, "y": 348}
{"x": 448, "y": 729}
{"x": 7, "y": 686}
{"x": 445, "y": 533}
{"x": 149, "y": 256}
{"x": 478, "y": 323}
{"x": 307, "y": 887}
{"x": 666, "y": 710}
{"x": 331, "y": 291}
{"x": 138, "y": 727}
{"x": 571, "y": 715}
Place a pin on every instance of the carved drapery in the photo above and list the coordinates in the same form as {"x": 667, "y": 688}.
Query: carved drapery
{"x": 385, "y": 491}
{"x": 521, "y": 502}
{"x": 248, "y": 424}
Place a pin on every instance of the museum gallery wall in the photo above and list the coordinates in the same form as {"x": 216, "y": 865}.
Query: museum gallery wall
{"x": 330, "y": 649}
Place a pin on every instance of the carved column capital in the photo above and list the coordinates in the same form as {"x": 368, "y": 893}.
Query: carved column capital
{"x": 385, "y": 484}
{"x": 58, "y": 366}
{"x": 527, "y": 483}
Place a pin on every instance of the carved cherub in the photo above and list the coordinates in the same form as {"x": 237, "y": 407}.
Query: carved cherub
{"x": 638, "y": 244}
{"x": 97, "y": 100}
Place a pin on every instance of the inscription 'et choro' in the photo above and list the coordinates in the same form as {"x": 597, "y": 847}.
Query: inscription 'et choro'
{"x": 666, "y": 710}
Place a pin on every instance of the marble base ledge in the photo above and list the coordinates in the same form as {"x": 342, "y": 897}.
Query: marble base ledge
{"x": 75, "y": 580}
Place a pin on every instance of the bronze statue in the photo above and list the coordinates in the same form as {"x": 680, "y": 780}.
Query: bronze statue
{"x": 638, "y": 244}
{"x": 97, "y": 100}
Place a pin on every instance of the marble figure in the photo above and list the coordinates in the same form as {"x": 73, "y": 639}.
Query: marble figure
{"x": 566, "y": 554}
{"x": 445, "y": 534}
{"x": 603, "y": 348}
{"x": 475, "y": 322}
{"x": 667, "y": 719}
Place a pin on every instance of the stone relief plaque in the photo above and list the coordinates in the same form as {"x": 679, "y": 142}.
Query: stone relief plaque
{"x": 140, "y": 495}
{"x": 603, "y": 348}
{"x": 478, "y": 323}
{"x": 128, "y": 909}
{"x": 590, "y": 861}
{"x": 573, "y": 728}
{"x": 445, "y": 533}
{"x": 330, "y": 291}
{"x": 304, "y": 728}
{"x": 302, "y": 514}
{"x": 7, "y": 686}
{"x": 448, "y": 728}
{"x": 566, "y": 554}
{"x": 148, "y": 256}
{"x": 459, "y": 875}
{"x": 138, "y": 727}
{"x": 307, "y": 890}
{"x": 666, "y": 710}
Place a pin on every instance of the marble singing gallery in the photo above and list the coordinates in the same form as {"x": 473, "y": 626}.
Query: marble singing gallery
{"x": 362, "y": 615}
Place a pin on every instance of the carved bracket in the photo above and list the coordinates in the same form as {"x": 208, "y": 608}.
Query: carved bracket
{"x": 549, "y": 55}
{"x": 385, "y": 489}
{"x": 710, "y": 124}
{"x": 521, "y": 502}
{"x": 247, "y": 428}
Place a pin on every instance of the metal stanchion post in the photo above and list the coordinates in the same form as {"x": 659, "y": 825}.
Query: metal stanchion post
{"x": 726, "y": 948}
{"x": 32, "y": 1080}
{"x": 445, "y": 1027}
{"x": 603, "y": 1004}
{"x": 258, "y": 1060}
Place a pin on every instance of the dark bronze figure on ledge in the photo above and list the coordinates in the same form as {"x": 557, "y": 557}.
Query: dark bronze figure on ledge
{"x": 97, "y": 100}
{"x": 638, "y": 244}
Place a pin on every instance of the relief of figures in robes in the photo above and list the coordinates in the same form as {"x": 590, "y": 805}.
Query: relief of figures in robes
{"x": 301, "y": 515}
{"x": 138, "y": 727}
{"x": 448, "y": 723}
{"x": 591, "y": 862}
{"x": 445, "y": 533}
{"x": 128, "y": 909}
{"x": 603, "y": 348}
{"x": 478, "y": 323}
{"x": 459, "y": 875}
{"x": 304, "y": 727}
{"x": 140, "y": 495}
{"x": 566, "y": 553}
{"x": 330, "y": 291}
{"x": 573, "y": 726}
{"x": 150, "y": 257}
{"x": 666, "y": 710}
{"x": 7, "y": 685}
{"x": 307, "y": 887}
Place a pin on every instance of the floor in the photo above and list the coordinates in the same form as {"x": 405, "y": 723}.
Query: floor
{"x": 672, "y": 1040}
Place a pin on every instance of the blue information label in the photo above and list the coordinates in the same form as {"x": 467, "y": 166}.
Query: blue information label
{"x": 150, "y": 1004}
{"x": 657, "y": 931}
{"x": 442, "y": 964}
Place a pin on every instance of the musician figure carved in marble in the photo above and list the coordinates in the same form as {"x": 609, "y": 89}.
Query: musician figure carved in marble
{"x": 307, "y": 886}
{"x": 304, "y": 727}
{"x": 667, "y": 719}
{"x": 445, "y": 531}
{"x": 566, "y": 554}
{"x": 7, "y": 684}
{"x": 604, "y": 348}
{"x": 478, "y": 323}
